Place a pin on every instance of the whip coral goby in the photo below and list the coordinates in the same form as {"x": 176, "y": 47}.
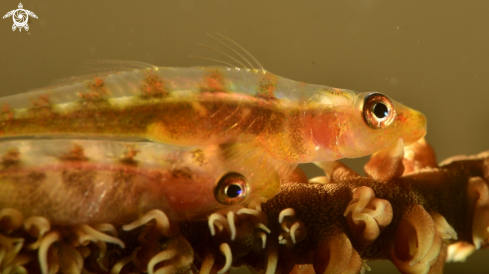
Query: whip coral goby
{"x": 291, "y": 121}
{"x": 85, "y": 181}
{"x": 64, "y": 200}
{"x": 418, "y": 221}
{"x": 308, "y": 227}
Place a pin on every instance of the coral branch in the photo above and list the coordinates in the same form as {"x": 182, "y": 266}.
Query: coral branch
{"x": 429, "y": 215}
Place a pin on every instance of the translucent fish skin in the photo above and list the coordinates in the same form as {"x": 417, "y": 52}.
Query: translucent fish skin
{"x": 292, "y": 121}
{"x": 80, "y": 181}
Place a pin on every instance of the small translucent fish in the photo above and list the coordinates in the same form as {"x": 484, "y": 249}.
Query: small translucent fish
{"x": 292, "y": 121}
{"x": 86, "y": 181}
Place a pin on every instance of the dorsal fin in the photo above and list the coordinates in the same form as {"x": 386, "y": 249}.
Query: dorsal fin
{"x": 236, "y": 54}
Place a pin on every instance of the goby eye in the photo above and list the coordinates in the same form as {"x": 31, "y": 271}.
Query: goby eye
{"x": 231, "y": 189}
{"x": 378, "y": 111}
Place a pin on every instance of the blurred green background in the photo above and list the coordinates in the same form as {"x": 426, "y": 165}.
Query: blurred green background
{"x": 430, "y": 55}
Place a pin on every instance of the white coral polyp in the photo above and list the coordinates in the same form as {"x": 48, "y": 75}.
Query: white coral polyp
{"x": 293, "y": 230}
{"x": 365, "y": 208}
{"x": 418, "y": 241}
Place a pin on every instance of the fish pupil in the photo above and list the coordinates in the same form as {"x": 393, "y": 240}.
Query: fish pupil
{"x": 233, "y": 191}
{"x": 380, "y": 110}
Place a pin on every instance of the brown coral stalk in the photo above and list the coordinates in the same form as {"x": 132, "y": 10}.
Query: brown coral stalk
{"x": 410, "y": 220}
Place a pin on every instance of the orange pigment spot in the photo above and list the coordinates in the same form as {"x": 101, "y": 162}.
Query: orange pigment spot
{"x": 75, "y": 154}
{"x": 42, "y": 101}
{"x": 97, "y": 92}
{"x": 213, "y": 83}
{"x": 401, "y": 118}
{"x": 129, "y": 154}
{"x": 267, "y": 86}
{"x": 41, "y": 105}
{"x": 153, "y": 87}
{"x": 6, "y": 113}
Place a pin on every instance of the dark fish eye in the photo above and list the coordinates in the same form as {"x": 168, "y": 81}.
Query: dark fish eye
{"x": 378, "y": 111}
{"x": 231, "y": 189}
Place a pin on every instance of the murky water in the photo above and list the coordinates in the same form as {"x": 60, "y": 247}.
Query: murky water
{"x": 430, "y": 55}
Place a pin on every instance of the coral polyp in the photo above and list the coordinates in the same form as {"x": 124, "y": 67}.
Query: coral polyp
{"x": 418, "y": 216}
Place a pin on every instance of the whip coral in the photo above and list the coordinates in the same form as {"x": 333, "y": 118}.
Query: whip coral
{"x": 411, "y": 211}
{"x": 429, "y": 215}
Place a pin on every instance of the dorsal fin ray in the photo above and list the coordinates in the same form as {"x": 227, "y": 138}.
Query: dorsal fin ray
{"x": 111, "y": 66}
{"x": 213, "y": 60}
{"x": 243, "y": 49}
{"x": 225, "y": 54}
{"x": 235, "y": 49}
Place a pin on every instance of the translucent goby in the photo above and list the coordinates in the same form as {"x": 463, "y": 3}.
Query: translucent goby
{"x": 87, "y": 181}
